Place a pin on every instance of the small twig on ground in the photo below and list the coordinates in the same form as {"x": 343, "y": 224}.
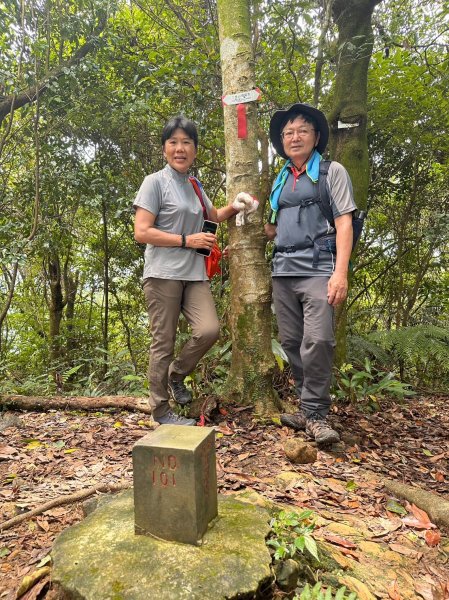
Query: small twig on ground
{"x": 61, "y": 500}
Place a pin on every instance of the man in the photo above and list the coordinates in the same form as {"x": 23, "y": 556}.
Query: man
{"x": 306, "y": 290}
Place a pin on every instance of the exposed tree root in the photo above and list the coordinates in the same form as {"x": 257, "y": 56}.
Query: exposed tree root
{"x": 76, "y": 497}
{"x": 43, "y": 403}
{"x": 435, "y": 506}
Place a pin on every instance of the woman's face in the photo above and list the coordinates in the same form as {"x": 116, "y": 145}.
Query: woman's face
{"x": 179, "y": 151}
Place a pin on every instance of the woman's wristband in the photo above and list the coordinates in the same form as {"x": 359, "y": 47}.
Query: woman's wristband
{"x": 183, "y": 240}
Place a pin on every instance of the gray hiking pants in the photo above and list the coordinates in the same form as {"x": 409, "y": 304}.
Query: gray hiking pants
{"x": 166, "y": 299}
{"x": 306, "y": 331}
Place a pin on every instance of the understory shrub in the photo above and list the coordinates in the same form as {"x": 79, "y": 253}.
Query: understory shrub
{"x": 368, "y": 385}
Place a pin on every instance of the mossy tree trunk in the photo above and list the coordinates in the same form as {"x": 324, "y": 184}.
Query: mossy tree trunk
{"x": 348, "y": 119}
{"x": 250, "y": 377}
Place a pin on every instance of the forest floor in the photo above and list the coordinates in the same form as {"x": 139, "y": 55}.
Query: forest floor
{"x": 47, "y": 455}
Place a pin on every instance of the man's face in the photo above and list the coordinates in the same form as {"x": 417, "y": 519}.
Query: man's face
{"x": 299, "y": 138}
{"x": 179, "y": 151}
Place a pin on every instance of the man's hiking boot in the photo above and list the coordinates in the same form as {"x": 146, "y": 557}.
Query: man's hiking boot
{"x": 297, "y": 421}
{"x": 319, "y": 429}
{"x": 170, "y": 418}
{"x": 179, "y": 392}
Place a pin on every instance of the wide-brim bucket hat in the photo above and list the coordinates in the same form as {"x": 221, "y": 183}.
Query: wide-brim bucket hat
{"x": 281, "y": 118}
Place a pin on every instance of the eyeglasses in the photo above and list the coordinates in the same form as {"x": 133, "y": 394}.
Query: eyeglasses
{"x": 290, "y": 133}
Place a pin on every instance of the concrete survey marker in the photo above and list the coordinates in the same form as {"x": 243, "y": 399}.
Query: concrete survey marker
{"x": 175, "y": 483}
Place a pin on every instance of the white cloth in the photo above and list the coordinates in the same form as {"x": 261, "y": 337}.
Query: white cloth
{"x": 245, "y": 204}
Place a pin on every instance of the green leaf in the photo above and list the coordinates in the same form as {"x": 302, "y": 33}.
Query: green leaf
{"x": 394, "y": 507}
{"x": 427, "y": 452}
{"x": 300, "y": 543}
{"x": 341, "y": 593}
{"x": 33, "y": 444}
{"x": 4, "y": 552}
{"x": 351, "y": 486}
{"x": 44, "y": 561}
{"x": 311, "y": 546}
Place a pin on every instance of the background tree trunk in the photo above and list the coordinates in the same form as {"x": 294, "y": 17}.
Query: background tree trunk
{"x": 250, "y": 378}
{"x": 56, "y": 305}
{"x": 349, "y": 145}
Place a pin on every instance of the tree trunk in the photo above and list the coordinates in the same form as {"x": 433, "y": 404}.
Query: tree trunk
{"x": 327, "y": 17}
{"x": 106, "y": 259}
{"x": 11, "y": 284}
{"x": 56, "y": 307}
{"x": 252, "y": 365}
{"x": 74, "y": 403}
{"x": 71, "y": 286}
{"x": 348, "y": 119}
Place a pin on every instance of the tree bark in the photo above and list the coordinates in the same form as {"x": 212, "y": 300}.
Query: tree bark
{"x": 252, "y": 365}
{"x": 327, "y": 17}
{"x": 349, "y": 145}
{"x": 56, "y": 306}
{"x": 106, "y": 259}
{"x": 43, "y": 403}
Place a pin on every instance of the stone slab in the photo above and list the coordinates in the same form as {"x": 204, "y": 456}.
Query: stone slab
{"x": 175, "y": 483}
{"x": 101, "y": 558}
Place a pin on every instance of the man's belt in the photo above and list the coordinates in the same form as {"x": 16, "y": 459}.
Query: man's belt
{"x": 326, "y": 243}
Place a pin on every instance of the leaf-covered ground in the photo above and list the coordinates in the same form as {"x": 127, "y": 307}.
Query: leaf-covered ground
{"x": 48, "y": 455}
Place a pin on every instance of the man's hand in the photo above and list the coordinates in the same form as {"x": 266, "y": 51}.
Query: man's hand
{"x": 337, "y": 289}
{"x": 270, "y": 231}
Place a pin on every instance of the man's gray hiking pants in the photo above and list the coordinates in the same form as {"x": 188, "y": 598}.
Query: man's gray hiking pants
{"x": 306, "y": 330}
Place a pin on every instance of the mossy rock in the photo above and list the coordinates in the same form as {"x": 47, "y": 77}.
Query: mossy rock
{"x": 101, "y": 557}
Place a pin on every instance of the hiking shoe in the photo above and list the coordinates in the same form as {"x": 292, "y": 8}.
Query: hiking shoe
{"x": 171, "y": 418}
{"x": 179, "y": 392}
{"x": 318, "y": 428}
{"x": 297, "y": 421}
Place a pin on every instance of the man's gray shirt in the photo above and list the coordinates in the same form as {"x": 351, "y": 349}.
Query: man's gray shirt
{"x": 170, "y": 196}
{"x": 302, "y": 226}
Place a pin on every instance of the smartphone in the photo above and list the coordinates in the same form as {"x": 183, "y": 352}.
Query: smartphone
{"x": 208, "y": 227}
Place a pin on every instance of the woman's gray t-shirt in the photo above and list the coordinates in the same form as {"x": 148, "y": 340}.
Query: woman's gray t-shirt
{"x": 170, "y": 196}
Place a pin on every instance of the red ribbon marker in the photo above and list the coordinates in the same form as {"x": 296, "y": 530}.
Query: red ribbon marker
{"x": 240, "y": 99}
{"x": 242, "y": 127}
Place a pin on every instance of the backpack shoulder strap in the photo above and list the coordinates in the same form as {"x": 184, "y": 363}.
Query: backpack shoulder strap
{"x": 323, "y": 196}
{"x": 197, "y": 187}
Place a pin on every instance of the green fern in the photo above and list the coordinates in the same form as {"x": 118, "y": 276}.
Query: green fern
{"x": 408, "y": 343}
{"x": 359, "y": 346}
{"x": 420, "y": 352}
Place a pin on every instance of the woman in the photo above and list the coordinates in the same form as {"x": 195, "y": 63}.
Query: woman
{"x": 169, "y": 219}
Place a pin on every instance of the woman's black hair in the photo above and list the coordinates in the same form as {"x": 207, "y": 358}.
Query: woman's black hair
{"x": 180, "y": 122}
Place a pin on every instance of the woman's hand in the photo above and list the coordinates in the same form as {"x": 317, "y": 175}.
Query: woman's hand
{"x": 200, "y": 240}
{"x": 245, "y": 204}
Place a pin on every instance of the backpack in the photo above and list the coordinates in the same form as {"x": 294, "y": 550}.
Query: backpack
{"x": 327, "y": 243}
{"x": 358, "y": 217}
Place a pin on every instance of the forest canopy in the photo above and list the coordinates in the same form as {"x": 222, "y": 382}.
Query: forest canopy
{"x": 85, "y": 88}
